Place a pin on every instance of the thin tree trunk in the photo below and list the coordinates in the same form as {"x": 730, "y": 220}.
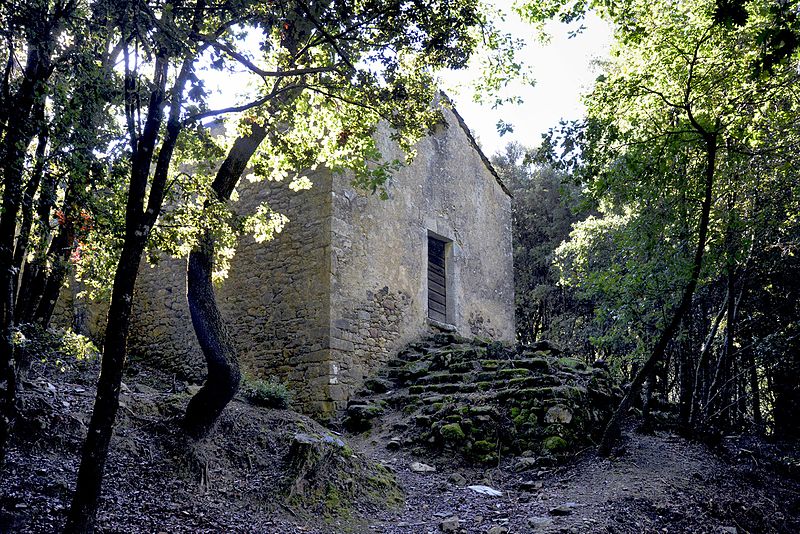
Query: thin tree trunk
{"x": 34, "y": 286}
{"x": 95, "y": 449}
{"x": 21, "y": 247}
{"x": 52, "y": 288}
{"x": 613, "y": 429}
{"x": 29, "y": 96}
{"x": 30, "y": 288}
{"x": 731, "y": 368}
{"x": 139, "y": 220}
{"x": 719, "y": 391}
{"x": 44, "y": 285}
{"x": 701, "y": 390}
{"x": 222, "y": 362}
{"x": 755, "y": 393}
{"x": 686, "y": 382}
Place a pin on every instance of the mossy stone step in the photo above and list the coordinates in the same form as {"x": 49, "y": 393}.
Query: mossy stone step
{"x": 512, "y": 372}
{"x": 451, "y": 355}
{"x": 535, "y": 393}
{"x": 444, "y": 389}
{"x": 448, "y": 338}
{"x": 463, "y": 367}
{"x": 534, "y": 381}
{"x": 527, "y": 353}
{"x": 572, "y": 363}
{"x": 490, "y": 385}
{"x": 410, "y": 355}
{"x": 539, "y": 365}
{"x": 490, "y": 365}
{"x": 413, "y": 370}
{"x": 440, "y": 378}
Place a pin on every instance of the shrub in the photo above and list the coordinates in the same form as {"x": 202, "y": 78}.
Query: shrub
{"x": 60, "y": 348}
{"x": 267, "y": 393}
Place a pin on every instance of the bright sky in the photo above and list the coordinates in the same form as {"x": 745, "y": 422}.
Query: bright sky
{"x": 562, "y": 69}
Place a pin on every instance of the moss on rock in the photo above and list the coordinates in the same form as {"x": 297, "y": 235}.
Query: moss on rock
{"x": 452, "y": 432}
{"x": 482, "y": 398}
{"x": 554, "y": 444}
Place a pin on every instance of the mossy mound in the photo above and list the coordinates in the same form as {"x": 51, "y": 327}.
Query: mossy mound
{"x": 328, "y": 479}
{"x": 484, "y": 399}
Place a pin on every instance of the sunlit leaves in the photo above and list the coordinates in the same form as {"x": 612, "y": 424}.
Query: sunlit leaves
{"x": 677, "y": 81}
{"x": 265, "y": 223}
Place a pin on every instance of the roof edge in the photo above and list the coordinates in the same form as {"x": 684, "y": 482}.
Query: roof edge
{"x": 475, "y": 145}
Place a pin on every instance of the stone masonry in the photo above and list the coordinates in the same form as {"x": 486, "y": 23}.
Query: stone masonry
{"x": 336, "y": 294}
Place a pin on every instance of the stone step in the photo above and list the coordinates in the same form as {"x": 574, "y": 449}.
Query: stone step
{"x": 533, "y": 381}
{"x": 440, "y": 378}
{"x": 493, "y": 385}
{"x": 539, "y": 365}
{"x": 357, "y": 401}
{"x": 451, "y": 356}
{"x": 486, "y": 376}
{"x": 501, "y": 374}
{"x": 490, "y": 365}
{"x": 409, "y": 355}
{"x": 512, "y": 372}
{"x": 409, "y": 372}
{"x": 444, "y": 389}
{"x": 464, "y": 367}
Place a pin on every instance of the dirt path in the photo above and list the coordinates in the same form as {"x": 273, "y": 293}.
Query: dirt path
{"x": 661, "y": 483}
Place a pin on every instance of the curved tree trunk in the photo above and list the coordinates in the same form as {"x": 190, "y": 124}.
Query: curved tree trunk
{"x": 614, "y": 427}
{"x": 224, "y": 376}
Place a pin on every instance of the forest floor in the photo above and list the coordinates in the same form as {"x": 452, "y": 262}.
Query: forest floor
{"x": 236, "y": 480}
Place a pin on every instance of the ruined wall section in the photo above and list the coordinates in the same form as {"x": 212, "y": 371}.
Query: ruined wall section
{"x": 379, "y": 263}
{"x": 275, "y": 299}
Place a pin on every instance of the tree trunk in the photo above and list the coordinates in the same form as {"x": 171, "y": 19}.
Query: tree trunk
{"x": 95, "y": 448}
{"x": 30, "y": 289}
{"x": 786, "y": 404}
{"x": 222, "y": 362}
{"x": 16, "y": 140}
{"x": 139, "y": 220}
{"x": 34, "y": 286}
{"x": 755, "y": 393}
{"x": 52, "y": 288}
{"x": 701, "y": 387}
{"x": 613, "y": 429}
{"x": 21, "y": 247}
{"x": 686, "y": 381}
{"x": 728, "y": 387}
{"x": 718, "y": 404}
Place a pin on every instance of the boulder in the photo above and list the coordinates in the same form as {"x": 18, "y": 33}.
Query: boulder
{"x": 451, "y": 524}
{"x": 558, "y": 414}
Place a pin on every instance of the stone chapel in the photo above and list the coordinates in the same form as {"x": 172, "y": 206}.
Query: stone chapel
{"x": 351, "y": 278}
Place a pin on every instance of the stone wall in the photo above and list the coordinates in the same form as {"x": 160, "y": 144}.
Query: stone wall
{"x": 275, "y": 299}
{"x": 379, "y": 264}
